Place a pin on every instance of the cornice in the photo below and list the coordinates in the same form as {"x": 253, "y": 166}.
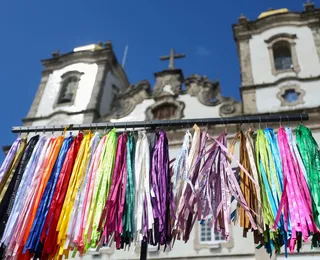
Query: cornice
{"x": 59, "y": 112}
{"x": 245, "y": 30}
{"x": 97, "y": 56}
{"x": 169, "y": 72}
{"x": 266, "y": 85}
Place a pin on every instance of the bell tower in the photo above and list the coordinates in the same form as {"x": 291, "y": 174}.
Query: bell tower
{"x": 77, "y": 87}
{"x": 279, "y": 56}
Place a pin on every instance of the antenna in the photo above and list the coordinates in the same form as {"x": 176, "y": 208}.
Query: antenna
{"x": 125, "y": 56}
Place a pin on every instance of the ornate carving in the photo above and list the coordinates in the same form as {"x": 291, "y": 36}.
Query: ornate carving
{"x": 125, "y": 102}
{"x": 168, "y": 83}
{"x": 230, "y": 107}
{"x": 207, "y": 92}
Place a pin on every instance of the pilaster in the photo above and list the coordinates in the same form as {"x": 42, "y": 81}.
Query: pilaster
{"x": 36, "y": 101}
{"x": 245, "y": 63}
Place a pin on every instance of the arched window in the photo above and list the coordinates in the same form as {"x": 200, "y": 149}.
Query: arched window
{"x": 68, "y": 88}
{"x": 167, "y": 108}
{"x": 282, "y": 55}
{"x": 164, "y": 111}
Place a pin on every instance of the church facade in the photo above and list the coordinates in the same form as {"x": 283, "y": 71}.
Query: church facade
{"x": 279, "y": 56}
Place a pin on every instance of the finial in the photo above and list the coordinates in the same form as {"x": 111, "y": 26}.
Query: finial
{"x": 242, "y": 19}
{"x": 56, "y": 54}
{"x": 108, "y": 43}
{"x": 308, "y": 6}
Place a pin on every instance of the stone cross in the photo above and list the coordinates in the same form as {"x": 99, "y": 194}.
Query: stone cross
{"x": 172, "y": 57}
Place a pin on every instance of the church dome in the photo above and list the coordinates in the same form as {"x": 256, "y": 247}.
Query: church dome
{"x": 272, "y": 12}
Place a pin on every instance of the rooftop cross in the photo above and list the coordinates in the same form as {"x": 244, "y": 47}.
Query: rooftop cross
{"x": 172, "y": 57}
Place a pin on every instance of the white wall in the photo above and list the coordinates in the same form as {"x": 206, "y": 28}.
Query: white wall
{"x": 267, "y": 100}
{"x": 107, "y": 94}
{"x": 305, "y": 47}
{"x": 60, "y": 119}
{"x": 138, "y": 114}
{"x": 83, "y": 95}
{"x": 194, "y": 109}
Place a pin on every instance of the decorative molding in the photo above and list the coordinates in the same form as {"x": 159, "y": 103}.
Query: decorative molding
{"x": 72, "y": 73}
{"x": 166, "y": 91}
{"x": 316, "y": 39}
{"x": 276, "y": 37}
{"x": 31, "y": 119}
{"x": 125, "y": 102}
{"x": 169, "y": 77}
{"x": 243, "y": 31}
{"x": 207, "y": 92}
{"x": 230, "y": 107}
{"x": 301, "y": 93}
{"x": 166, "y": 101}
{"x": 97, "y": 56}
{"x": 277, "y": 82}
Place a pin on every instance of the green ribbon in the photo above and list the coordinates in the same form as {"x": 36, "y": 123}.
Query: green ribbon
{"x": 310, "y": 154}
{"x": 128, "y": 214}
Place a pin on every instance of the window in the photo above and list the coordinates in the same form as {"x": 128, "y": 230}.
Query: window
{"x": 165, "y": 111}
{"x": 282, "y": 55}
{"x": 68, "y": 88}
{"x": 165, "y": 108}
{"x": 207, "y": 235}
{"x": 290, "y": 95}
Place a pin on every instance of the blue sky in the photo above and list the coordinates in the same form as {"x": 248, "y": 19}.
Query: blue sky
{"x": 32, "y": 30}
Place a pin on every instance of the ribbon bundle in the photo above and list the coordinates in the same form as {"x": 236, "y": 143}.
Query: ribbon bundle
{"x": 70, "y": 194}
